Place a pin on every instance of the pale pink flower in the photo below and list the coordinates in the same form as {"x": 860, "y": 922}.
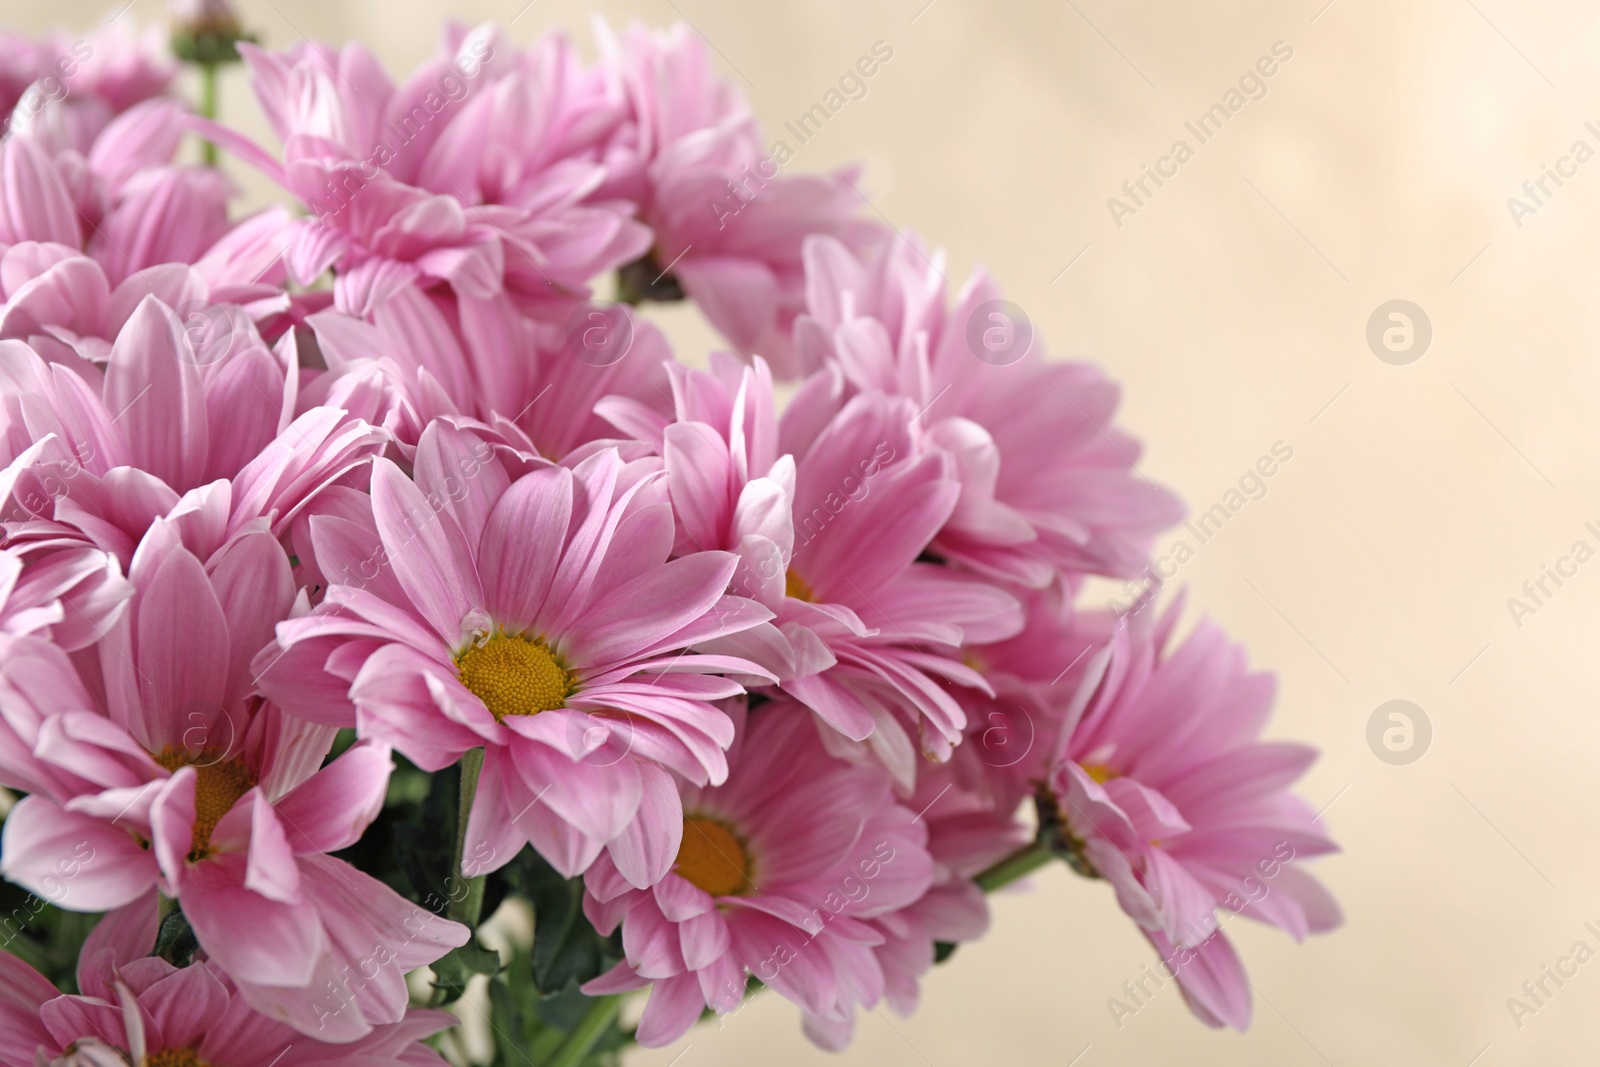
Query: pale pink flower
{"x": 475, "y": 172}
{"x": 537, "y": 616}
{"x": 70, "y": 595}
{"x": 1165, "y": 789}
{"x": 966, "y": 834}
{"x": 92, "y": 77}
{"x": 1009, "y": 751}
{"x": 119, "y": 198}
{"x": 146, "y": 1012}
{"x": 830, "y": 509}
{"x": 437, "y": 355}
{"x": 63, "y": 304}
{"x": 209, "y": 436}
{"x": 778, "y": 874}
{"x": 537, "y": 149}
{"x": 728, "y": 226}
{"x": 154, "y": 765}
{"x": 1049, "y": 486}
{"x": 22, "y": 59}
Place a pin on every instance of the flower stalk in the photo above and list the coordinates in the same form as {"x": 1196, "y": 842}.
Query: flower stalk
{"x": 1014, "y": 867}
{"x": 466, "y": 897}
{"x": 595, "y": 1022}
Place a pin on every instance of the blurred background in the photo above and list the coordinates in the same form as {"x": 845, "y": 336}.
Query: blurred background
{"x": 1440, "y": 460}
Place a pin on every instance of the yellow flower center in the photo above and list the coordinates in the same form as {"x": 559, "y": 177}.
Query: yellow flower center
{"x": 219, "y": 783}
{"x": 712, "y": 858}
{"x": 1099, "y": 772}
{"x": 174, "y": 1057}
{"x": 1103, "y": 774}
{"x": 797, "y": 587}
{"x": 514, "y": 675}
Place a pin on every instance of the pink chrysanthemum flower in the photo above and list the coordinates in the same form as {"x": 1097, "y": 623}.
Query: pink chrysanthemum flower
{"x": 830, "y": 509}
{"x": 70, "y": 594}
{"x": 429, "y": 355}
{"x": 728, "y": 224}
{"x": 69, "y": 86}
{"x": 149, "y": 1013}
{"x": 210, "y": 437}
{"x": 1048, "y": 484}
{"x": 540, "y": 618}
{"x": 476, "y": 172}
{"x": 62, "y": 303}
{"x": 154, "y": 766}
{"x": 1166, "y": 791}
{"x": 119, "y": 199}
{"x": 777, "y": 874}
{"x": 1009, "y": 752}
{"x": 966, "y": 834}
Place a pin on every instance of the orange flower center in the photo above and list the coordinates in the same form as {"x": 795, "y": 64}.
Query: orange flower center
{"x": 712, "y": 858}
{"x": 219, "y": 783}
{"x": 797, "y": 587}
{"x": 1099, "y": 772}
{"x": 174, "y": 1057}
{"x": 514, "y": 675}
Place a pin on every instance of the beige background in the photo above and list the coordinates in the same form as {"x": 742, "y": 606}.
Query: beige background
{"x": 1233, "y": 306}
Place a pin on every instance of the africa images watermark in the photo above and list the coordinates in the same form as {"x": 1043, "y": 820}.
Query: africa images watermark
{"x": 1140, "y": 590}
{"x": 453, "y": 87}
{"x": 1252, "y": 86}
{"x": 849, "y": 890}
{"x": 852, "y": 488}
{"x": 1536, "y": 192}
{"x": 1537, "y": 592}
{"x": 55, "y": 887}
{"x": 49, "y": 88}
{"x": 410, "y": 526}
{"x": 1536, "y": 992}
{"x": 851, "y": 85}
{"x": 1251, "y": 889}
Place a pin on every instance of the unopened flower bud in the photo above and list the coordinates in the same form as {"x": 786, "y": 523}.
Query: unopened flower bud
{"x": 206, "y": 31}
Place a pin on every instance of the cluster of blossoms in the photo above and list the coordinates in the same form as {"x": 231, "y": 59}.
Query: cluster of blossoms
{"x": 306, "y": 507}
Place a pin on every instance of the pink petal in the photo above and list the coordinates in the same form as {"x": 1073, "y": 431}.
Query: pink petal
{"x": 428, "y": 555}
{"x": 652, "y": 607}
{"x": 739, "y": 296}
{"x": 646, "y": 850}
{"x": 185, "y": 1005}
{"x": 331, "y": 809}
{"x": 183, "y": 654}
{"x": 674, "y": 1007}
{"x": 522, "y": 544}
{"x": 32, "y": 205}
{"x": 42, "y": 845}
{"x": 1212, "y": 979}
{"x": 270, "y": 942}
{"x": 598, "y": 800}
{"x": 459, "y": 468}
{"x": 154, "y": 394}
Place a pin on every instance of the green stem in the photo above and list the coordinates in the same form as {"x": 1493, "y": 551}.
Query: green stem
{"x": 582, "y": 1040}
{"x": 466, "y": 907}
{"x": 1019, "y": 864}
{"x": 627, "y": 292}
{"x": 208, "y": 108}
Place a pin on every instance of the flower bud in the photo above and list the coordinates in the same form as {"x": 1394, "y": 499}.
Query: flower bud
{"x": 206, "y": 32}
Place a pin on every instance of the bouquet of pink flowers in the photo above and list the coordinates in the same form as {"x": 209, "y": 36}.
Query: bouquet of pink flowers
{"x": 388, "y": 622}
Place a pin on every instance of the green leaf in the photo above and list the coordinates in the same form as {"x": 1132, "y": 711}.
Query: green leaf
{"x": 510, "y": 1026}
{"x": 452, "y": 973}
{"x": 567, "y": 951}
{"x": 175, "y": 941}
